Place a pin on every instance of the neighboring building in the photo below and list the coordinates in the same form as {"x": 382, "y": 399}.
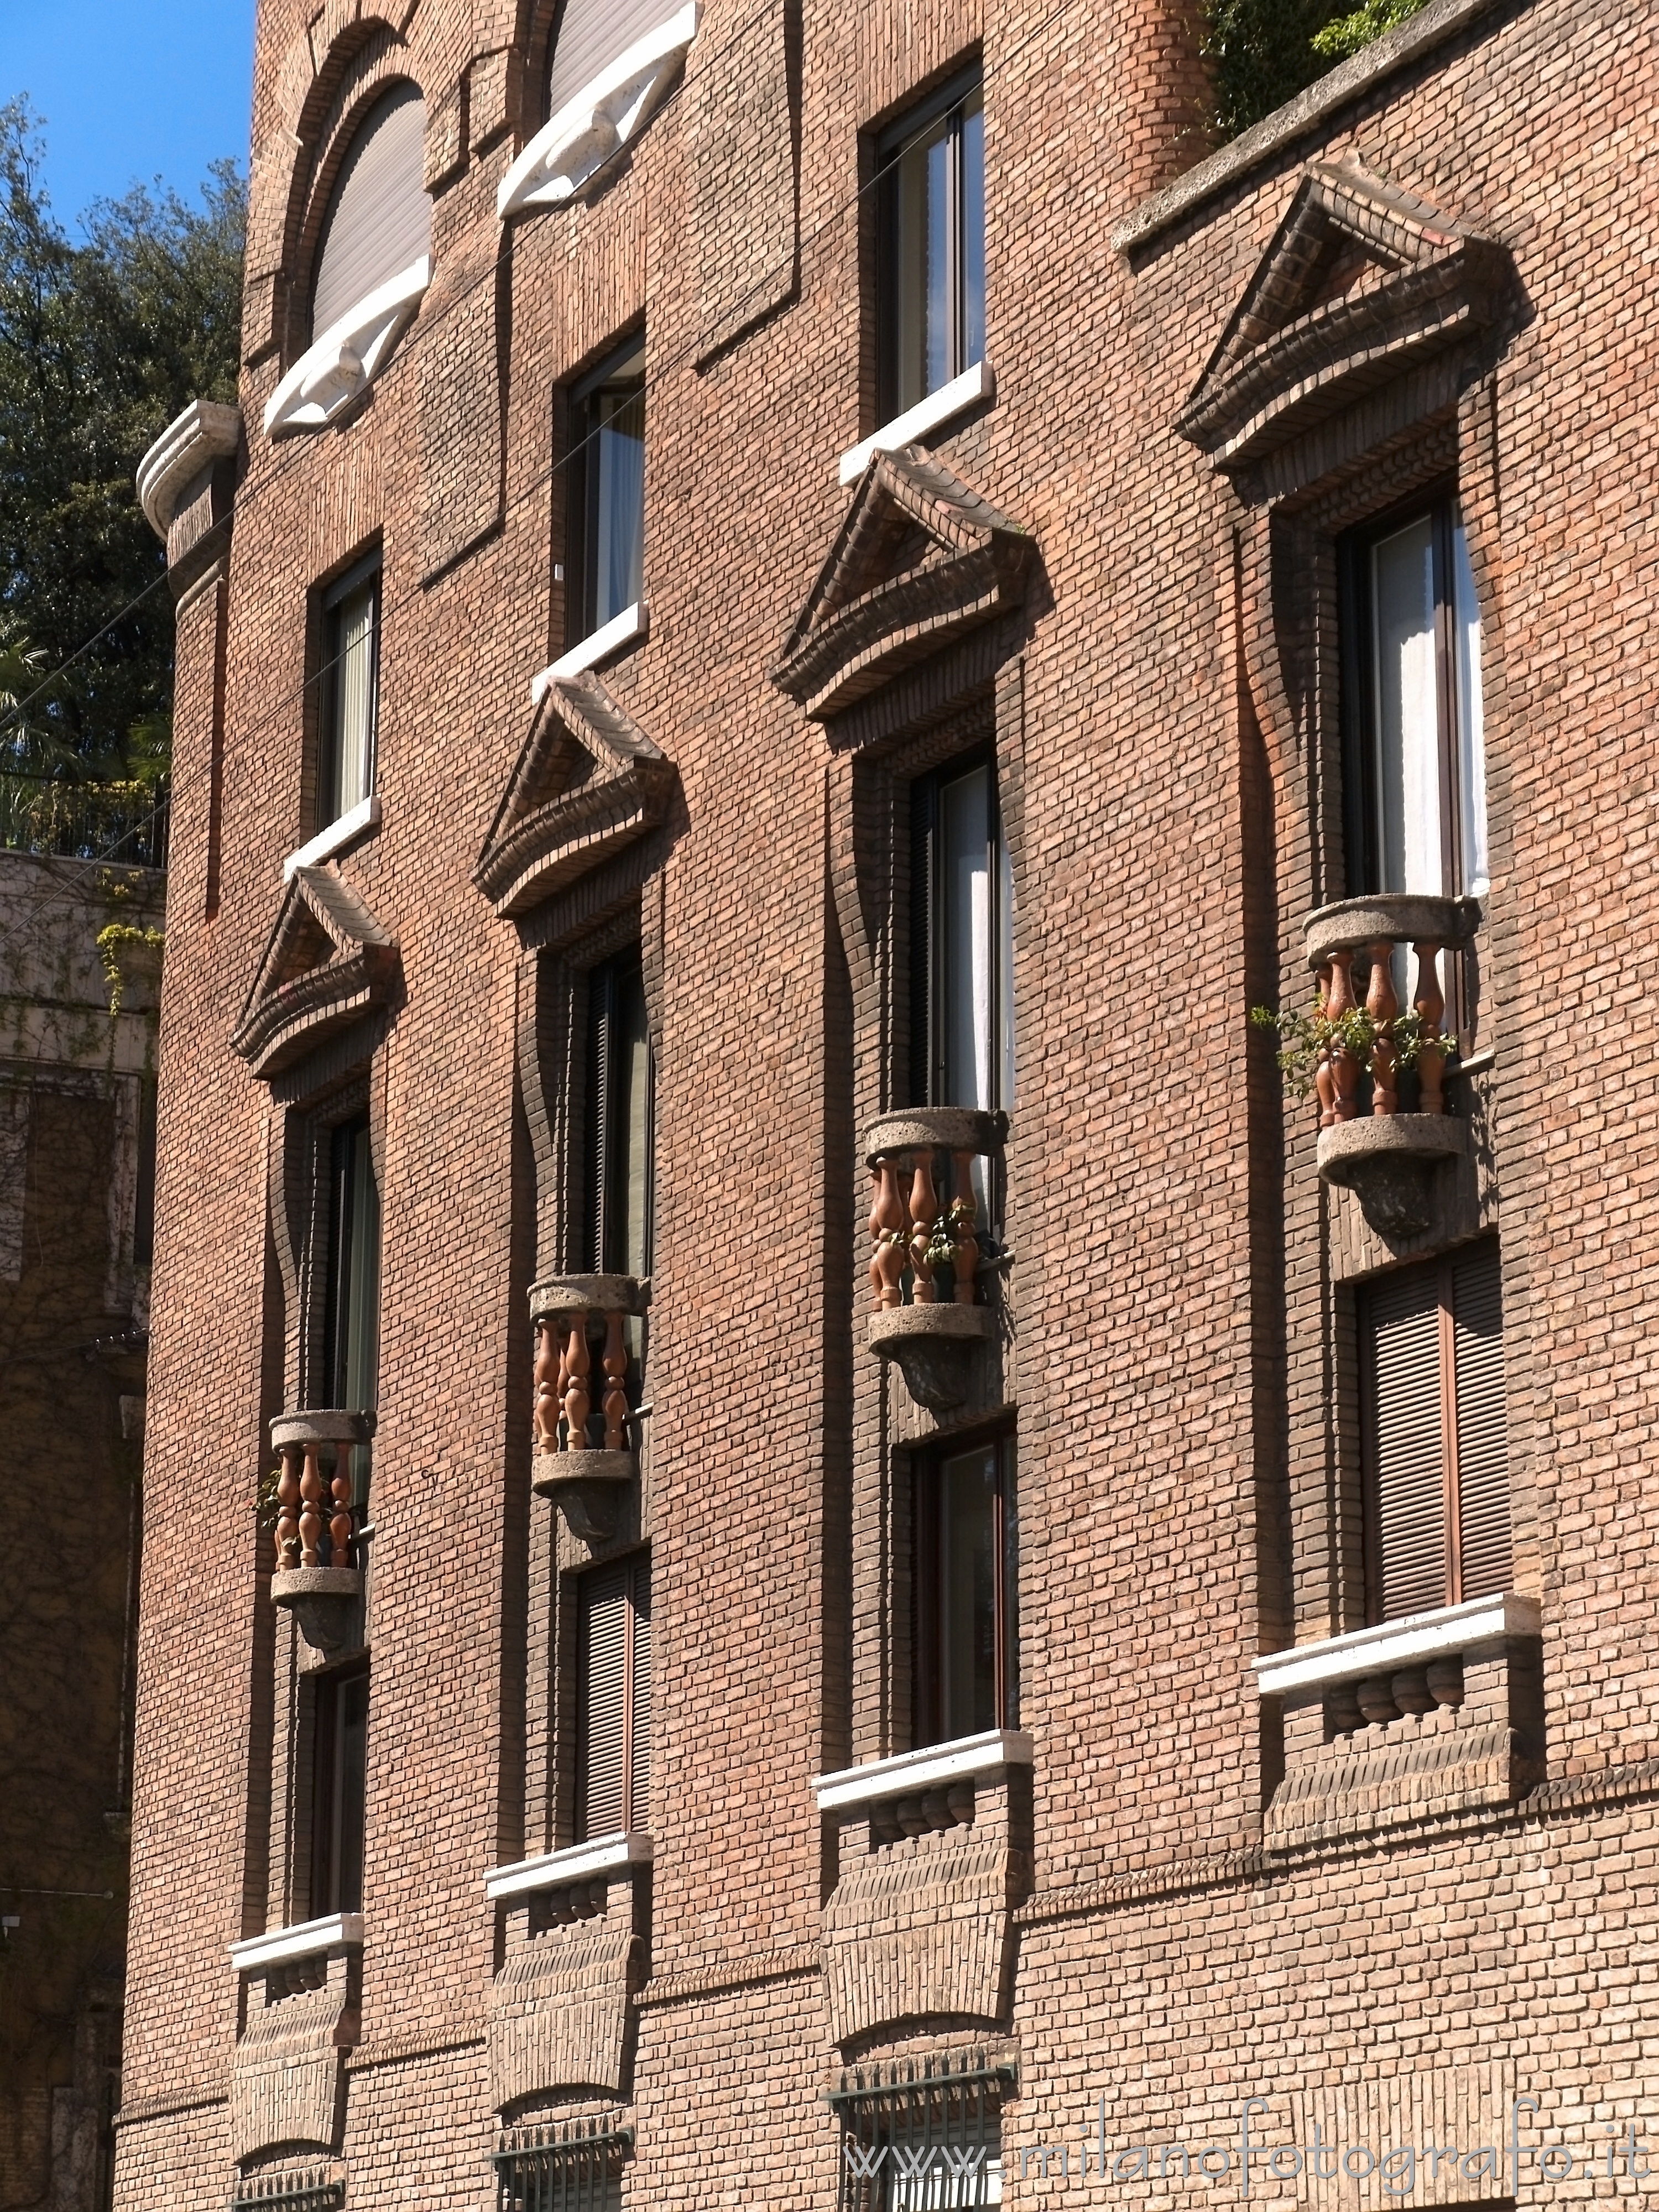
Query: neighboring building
{"x": 810, "y": 618}
{"x": 77, "y": 1133}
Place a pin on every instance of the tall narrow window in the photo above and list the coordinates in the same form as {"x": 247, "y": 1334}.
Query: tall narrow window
{"x": 962, "y": 1012}
{"x": 1417, "y": 755}
{"x": 378, "y": 221}
{"x": 606, "y": 492}
{"x": 339, "y": 1773}
{"x": 349, "y": 692}
{"x": 352, "y": 1317}
{"x": 930, "y": 214}
{"x": 1436, "y": 1460}
{"x": 618, "y": 1165}
{"x": 963, "y": 1591}
{"x": 613, "y": 1697}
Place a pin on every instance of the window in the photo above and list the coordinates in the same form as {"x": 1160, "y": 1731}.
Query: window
{"x": 606, "y": 492}
{"x": 339, "y": 1773}
{"x": 351, "y": 1324}
{"x": 962, "y": 955}
{"x": 590, "y": 35}
{"x": 1416, "y": 772}
{"x": 931, "y": 268}
{"x": 378, "y": 221}
{"x": 349, "y": 691}
{"x": 617, "y": 1178}
{"x": 922, "y": 2135}
{"x": 562, "y": 2166}
{"x": 613, "y": 1697}
{"x": 1435, "y": 1458}
{"x": 964, "y": 1588}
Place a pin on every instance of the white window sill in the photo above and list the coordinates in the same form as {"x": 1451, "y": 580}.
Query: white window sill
{"x": 622, "y": 630}
{"x": 608, "y": 111}
{"x": 356, "y": 822}
{"x": 974, "y": 383}
{"x": 922, "y": 1770}
{"x": 333, "y": 370}
{"x": 578, "y": 1862}
{"x": 1395, "y": 1644}
{"x": 340, "y": 1931}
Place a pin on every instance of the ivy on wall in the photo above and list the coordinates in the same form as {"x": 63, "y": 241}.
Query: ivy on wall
{"x": 1263, "y": 53}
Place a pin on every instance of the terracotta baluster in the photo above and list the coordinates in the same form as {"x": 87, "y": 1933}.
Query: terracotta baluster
{"x": 311, "y": 1502}
{"x": 1432, "y": 1005}
{"x": 339, "y": 1523}
{"x": 287, "y": 1510}
{"x": 924, "y": 1212}
{"x": 965, "y": 1259}
{"x": 578, "y": 1365}
{"x": 1382, "y": 1003}
{"x": 615, "y": 1396}
{"x": 887, "y": 1226}
{"x": 1324, "y": 1081}
{"x": 1345, "y": 1068}
{"x": 549, "y": 1386}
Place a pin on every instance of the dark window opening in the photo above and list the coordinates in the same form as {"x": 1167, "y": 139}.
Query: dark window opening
{"x": 931, "y": 265}
{"x": 613, "y": 1697}
{"x": 562, "y": 2166}
{"x": 605, "y": 493}
{"x": 922, "y": 2135}
{"x": 351, "y": 1321}
{"x": 339, "y": 1779}
{"x": 963, "y": 1591}
{"x": 617, "y": 1193}
{"x": 349, "y": 692}
{"x": 143, "y": 1204}
{"x": 1435, "y": 1453}
{"x": 962, "y": 941}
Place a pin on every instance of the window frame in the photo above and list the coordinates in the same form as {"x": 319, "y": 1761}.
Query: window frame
{"x": 927, "y": 948}
{"x": 604, "y": 1163}
{"x": 325, "y": 1889}
{"x": 330, "y": 597}
{"x": 928, "y": 1715}
{"x": 892, "y": 143}
{"x": 583, "y": 488}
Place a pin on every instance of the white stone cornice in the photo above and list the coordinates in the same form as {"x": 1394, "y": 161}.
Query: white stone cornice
{"x": 599, "y": 120}
{"x": 280, "y": 1947}
{"x": 204, "y": 433}
{"x": 349, "y": 354}
{"x": 935, "y": 1762}
{"x": 605, "y": 1855}
{"x": 1395, "y": 1643}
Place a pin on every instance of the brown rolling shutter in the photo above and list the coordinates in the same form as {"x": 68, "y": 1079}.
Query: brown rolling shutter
{"x": 613, "y": 1697}
{"x": 379, "y": 219}
{"x": 1483, "y": 1489}
{"x": 592, "y": 33}
{"x": 1404, "y": 1452}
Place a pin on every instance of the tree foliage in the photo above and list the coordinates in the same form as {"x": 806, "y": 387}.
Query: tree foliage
{"x": 101, "y": 344}
{"x": 1263, "y": 53}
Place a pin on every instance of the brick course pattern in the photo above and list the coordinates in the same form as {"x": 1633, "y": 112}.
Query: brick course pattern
{"x": 1127, "y": 562}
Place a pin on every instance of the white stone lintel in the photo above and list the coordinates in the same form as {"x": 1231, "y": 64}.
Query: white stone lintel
{"x": 925, "y": 1769}
{"x": 597, "y": 122}
{"x": 337, "y": 365}
{"x": 1395, "y": 1644}
{"x": 204, "y": 433}
{"x": 974, "y": 383}
{"x": 356, "y": 822}
{"x": 632, "y": 623}
{"x": 577, "y": 1863}
{"x": 280, "y": 1947}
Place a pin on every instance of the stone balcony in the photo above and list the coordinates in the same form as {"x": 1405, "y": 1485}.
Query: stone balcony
{"x": 929, "y": 1316}
{"x": 319, "y": 1573}
{"x": 1387, "y": 1157}
{"x": 585, "y": 1421}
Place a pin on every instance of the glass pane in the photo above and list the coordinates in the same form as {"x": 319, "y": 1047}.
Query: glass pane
{"x": 615, "y": 463}
{"x": 1406, "y": 710}
{"x": 1471, "y": 732}
{"x": 920, "y": 268}
{"x": 350, "y": 749}
{"x": 634, "y": 1071}
{"x": 1005, "y": 971}
{"x": 964, "y": 935}
{"x": 973, "y": 229}
{"x": 968, "y": 1593}
{"x": 351, "y": 1782}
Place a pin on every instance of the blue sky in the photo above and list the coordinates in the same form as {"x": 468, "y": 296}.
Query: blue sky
{"x": 130, "y": 89}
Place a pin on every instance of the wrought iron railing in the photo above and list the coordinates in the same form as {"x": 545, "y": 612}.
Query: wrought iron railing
{"x": 313, "y": 2189}
{"x": 568, "y": 2165}
{"x": 125, "y": 823}
{"x": 922, "y": 2135}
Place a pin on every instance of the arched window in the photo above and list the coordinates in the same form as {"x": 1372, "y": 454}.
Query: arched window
{"x": 379, "y": 220}
{"x": 590, "y": 35}
{"x": 609, "y": 63}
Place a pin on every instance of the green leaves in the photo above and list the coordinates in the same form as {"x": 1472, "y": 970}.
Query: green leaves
{"x": 1308, "y": 1038}
{"x": 1263, "y": 53}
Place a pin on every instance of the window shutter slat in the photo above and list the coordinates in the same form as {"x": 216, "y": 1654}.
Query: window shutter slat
{"x": 601, "y": 1692}
{"x": 1482, "y": 1443}
{"x": 379, "y": 219}
{"x": 640, "y": 1780}
{"x": 591, "y": 34}
{"x": 1400, "y": 1350}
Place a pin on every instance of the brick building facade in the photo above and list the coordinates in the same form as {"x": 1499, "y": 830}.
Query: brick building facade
{"x": 797, "y": 628}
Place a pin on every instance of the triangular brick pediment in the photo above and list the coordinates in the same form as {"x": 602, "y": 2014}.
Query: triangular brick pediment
{"x": 920, "y": 559}
{"x": 1360, "y": 285}
{"x": 327, "y": 961}
{"x": 588, "y": 782}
